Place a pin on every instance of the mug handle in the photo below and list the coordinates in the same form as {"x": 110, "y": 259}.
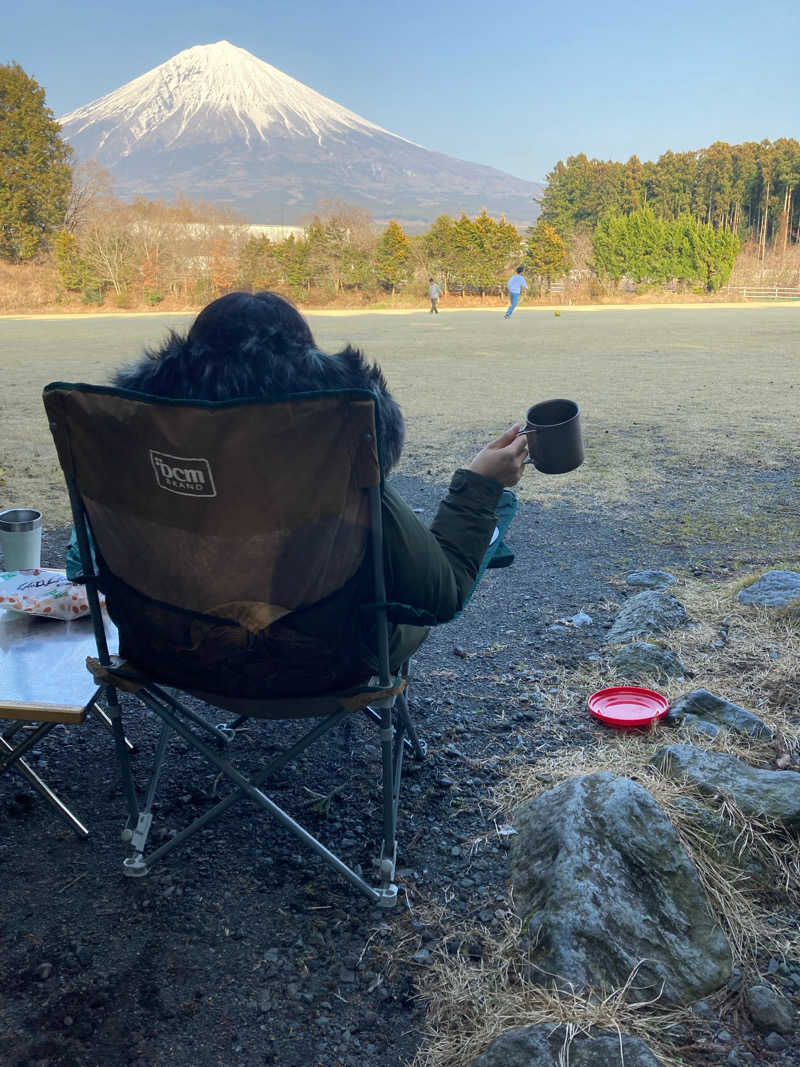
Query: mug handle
{"x": 522, "y": 433}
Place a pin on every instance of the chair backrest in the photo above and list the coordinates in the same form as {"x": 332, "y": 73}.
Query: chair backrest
{"x": 239, "y": 512}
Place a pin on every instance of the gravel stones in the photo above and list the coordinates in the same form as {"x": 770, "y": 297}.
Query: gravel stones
{"x": 603, "y": 882}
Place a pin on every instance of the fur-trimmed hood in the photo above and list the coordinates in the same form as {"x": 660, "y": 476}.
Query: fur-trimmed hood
{"x": 185, "y": 368}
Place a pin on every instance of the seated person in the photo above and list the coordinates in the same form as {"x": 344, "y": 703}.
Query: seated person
{"x": 247, "y": 345}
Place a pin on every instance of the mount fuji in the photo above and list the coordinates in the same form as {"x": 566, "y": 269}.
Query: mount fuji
{"x": 218, "y": 124}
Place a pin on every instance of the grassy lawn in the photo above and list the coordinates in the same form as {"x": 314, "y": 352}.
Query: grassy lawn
{"x": 690, "y": 415}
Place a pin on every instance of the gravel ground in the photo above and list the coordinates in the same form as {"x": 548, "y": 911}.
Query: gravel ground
{"x": 239, "y": 950}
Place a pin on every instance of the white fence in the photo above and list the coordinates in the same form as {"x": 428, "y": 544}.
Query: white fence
{"x": 764, "y": 292}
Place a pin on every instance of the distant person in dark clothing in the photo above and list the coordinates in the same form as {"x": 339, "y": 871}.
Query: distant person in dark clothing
{"x": 434, "y": 292}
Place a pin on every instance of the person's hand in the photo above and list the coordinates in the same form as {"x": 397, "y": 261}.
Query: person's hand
{"x": 503, "y": 459}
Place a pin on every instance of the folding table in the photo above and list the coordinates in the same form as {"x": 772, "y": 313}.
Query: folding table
{"x": 44, "y": 681}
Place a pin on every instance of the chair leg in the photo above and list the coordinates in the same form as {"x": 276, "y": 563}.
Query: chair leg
{"x": 15, "y": 761}
{"x": 114, "y": 712}
{"x": 389, "y": 850}
{"x": 138, "y": 864}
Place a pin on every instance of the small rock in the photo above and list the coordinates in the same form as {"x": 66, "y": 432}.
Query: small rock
{"x": 703, "y": 1010}
{"x": 650, "y": 612}
{"x": 263, "y": 1000}
{"x": 43, "y": 971}
{"x": 459, "y": 651}
{"x": 644, "y": 659}
{"x": 769, "y": 1010}
{"x": 650, "y": 579}
{"x": 775, "y": 589}
{"x": 676, "y": 1033}
{"x": 422, "y": 956}
{"x": 773, "y": 794}
{"x": 581, "y": 619}
{"x": 720, "y": 712}
{"x": 775, "y": 1043}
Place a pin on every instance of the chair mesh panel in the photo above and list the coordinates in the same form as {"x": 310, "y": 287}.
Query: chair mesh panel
{"x": 231, "y": 538}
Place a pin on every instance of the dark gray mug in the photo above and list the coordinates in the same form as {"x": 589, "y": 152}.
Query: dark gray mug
{"x": 555, "y": 439}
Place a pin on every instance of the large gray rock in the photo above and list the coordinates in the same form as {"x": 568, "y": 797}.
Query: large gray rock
{"x": 704, "y": 705}
{"x": 775, "y": 589}
{"x": 650, "y": 612}
{"x": 771, "y": 794}
{"x": 645, "y": 660}
{"x": 602, "y": 881}
{"x": 651, "y": 579}
{"x": 543, "y": 1046}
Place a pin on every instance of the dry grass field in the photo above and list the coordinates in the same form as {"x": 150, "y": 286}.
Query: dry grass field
{"x": 690, "y": 414}
{"x": 692, "y": 457}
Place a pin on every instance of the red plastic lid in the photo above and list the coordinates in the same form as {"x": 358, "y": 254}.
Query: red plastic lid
{"x": 628, "y": 705}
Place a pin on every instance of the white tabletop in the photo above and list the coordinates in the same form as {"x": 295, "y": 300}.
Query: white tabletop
{"x": 43, "y": 661}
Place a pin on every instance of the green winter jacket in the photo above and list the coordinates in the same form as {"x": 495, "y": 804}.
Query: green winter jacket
{"x": 430, "y": 574}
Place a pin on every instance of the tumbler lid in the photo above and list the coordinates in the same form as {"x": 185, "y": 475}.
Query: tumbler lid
{"x": 20, "y": 520}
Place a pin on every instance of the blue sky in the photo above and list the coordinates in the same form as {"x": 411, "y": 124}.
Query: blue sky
{"x": 514, "y": 86}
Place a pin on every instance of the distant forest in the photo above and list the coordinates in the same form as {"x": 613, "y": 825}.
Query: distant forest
{"x": 751, "y": 190}
{"x": 687, "y": 222}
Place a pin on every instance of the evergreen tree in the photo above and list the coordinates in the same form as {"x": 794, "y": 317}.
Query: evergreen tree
{"x": 75, "y": 273}
{"x": 293, "y": 257}
{"x": 35, "y": 177}
{"x": 546, "y": 252}
{"x": 259, "y": 266}
{"x": 439, "y": 249}
{"x": 393, "y": 257}
{"x": 483, "y": 247}
{"x": 646, "y": 248}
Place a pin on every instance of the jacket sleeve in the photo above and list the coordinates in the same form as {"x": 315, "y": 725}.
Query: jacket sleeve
{"x": 430, "y": 572}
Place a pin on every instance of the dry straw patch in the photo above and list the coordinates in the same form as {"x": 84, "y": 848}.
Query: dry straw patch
{"x": 472, "y": 1001}
{"x": 471, "y": 1004}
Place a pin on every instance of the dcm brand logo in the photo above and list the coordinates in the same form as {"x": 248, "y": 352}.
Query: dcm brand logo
{"x": 177, "y": 474}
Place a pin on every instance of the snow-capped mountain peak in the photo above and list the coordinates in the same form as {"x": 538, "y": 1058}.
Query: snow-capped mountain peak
{"x": 215, "y": 83}
{"x": 218, "y": 124}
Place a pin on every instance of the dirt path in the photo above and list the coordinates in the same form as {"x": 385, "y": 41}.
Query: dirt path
{"x": 239, "y": 951}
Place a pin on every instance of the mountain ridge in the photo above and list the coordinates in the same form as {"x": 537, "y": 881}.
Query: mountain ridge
{"x": 217, "y": 123}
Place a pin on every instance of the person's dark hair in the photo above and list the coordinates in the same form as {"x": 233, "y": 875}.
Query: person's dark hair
{"x": 258, "y": 345}
{"x": 520, "y": 270}
{"x": 430, "y": 279}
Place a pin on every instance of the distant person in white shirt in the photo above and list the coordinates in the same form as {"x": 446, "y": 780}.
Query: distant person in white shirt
{"x": 434, "y": 292}
{"x": 516, "y": 283}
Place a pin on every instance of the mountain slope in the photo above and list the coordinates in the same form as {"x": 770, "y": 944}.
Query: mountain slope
{"x": 216, "y": 123}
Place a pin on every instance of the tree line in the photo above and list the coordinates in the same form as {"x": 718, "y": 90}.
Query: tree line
{"x": 679, "y": 219}
{"x": 751, "y": 190}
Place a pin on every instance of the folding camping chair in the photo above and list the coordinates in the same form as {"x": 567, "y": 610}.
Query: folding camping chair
{"x": 213, "y": 526}
{"x": 43, "y": 685}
